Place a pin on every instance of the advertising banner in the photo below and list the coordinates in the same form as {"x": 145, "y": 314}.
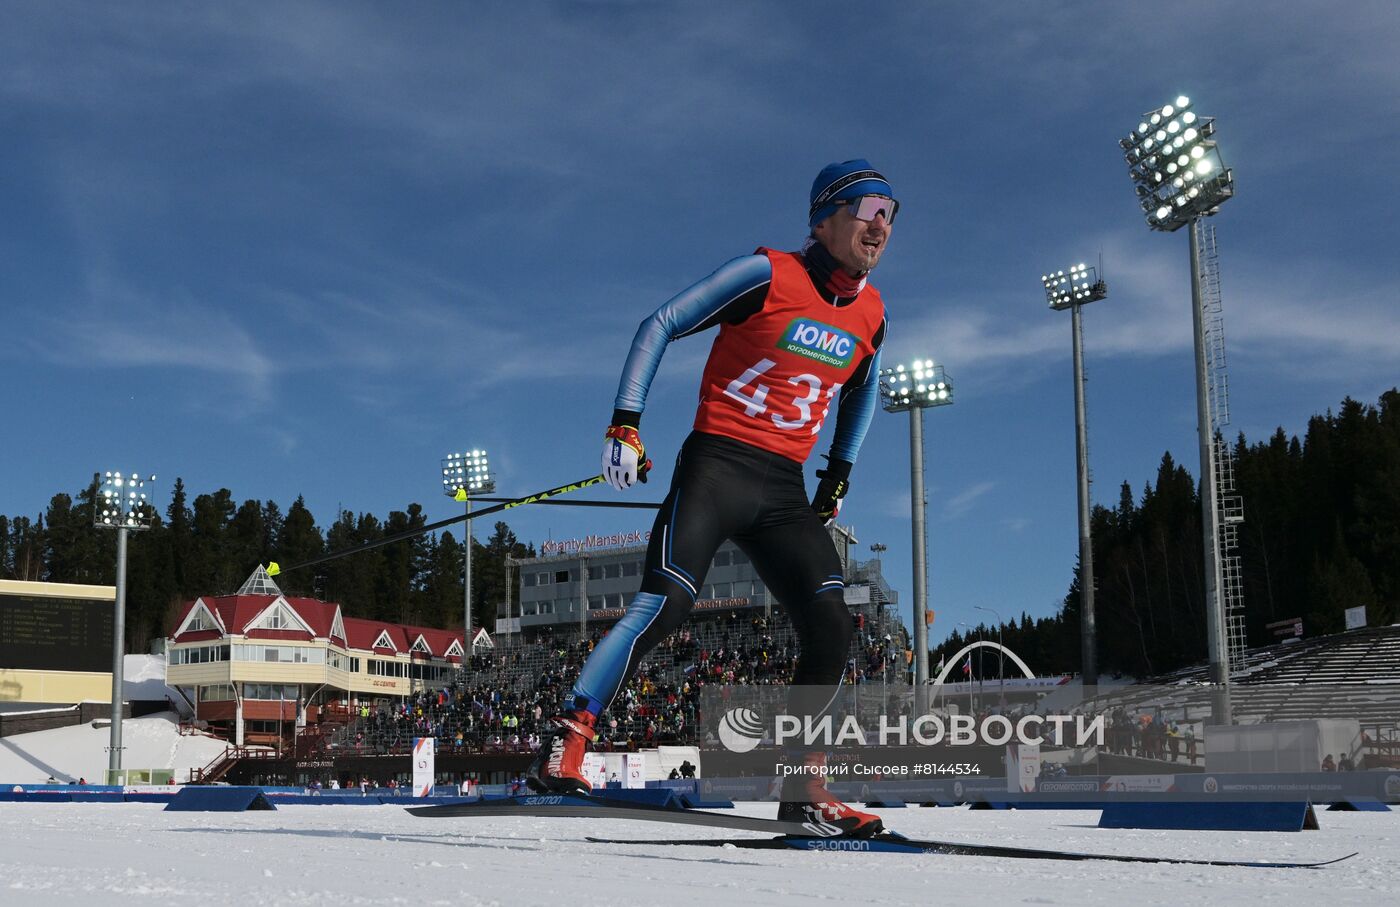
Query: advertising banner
{"x": 424, "y": 765}
{"x": 1023, "y": 767}
{"x": 635, "y": 767}
{"x": 595, "y": 769}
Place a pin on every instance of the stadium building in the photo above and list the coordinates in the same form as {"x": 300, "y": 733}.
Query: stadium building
{"x": 581, "y": 581}
{"x": 258, "y": 665}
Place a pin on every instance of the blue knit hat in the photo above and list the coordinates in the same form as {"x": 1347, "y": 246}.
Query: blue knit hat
{"x": 848, "y": 179}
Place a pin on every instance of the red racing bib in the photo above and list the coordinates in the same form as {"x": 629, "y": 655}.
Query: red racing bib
{"x": 770, "y": 380}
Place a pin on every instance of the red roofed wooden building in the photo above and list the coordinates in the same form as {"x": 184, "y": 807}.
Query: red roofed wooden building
{"x": 257, "y": 664}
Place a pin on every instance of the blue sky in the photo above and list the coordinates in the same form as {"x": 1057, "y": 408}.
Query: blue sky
{"x": 310, "y": 248}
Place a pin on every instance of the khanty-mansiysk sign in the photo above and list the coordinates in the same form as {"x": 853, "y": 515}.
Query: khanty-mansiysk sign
{"x": 592, "y": 542}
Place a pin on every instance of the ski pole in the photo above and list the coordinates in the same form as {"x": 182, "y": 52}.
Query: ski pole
{"x": 275, "y": 569}
{"x": 626, "y": 505}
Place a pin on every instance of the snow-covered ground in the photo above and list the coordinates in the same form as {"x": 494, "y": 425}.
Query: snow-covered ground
{"x": 80, "y": 853}
{"x": 80, "y": 751}
{"x": 143, "y": 677}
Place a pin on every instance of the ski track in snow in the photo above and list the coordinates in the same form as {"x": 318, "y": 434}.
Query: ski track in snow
{"x": 84, "y": 853}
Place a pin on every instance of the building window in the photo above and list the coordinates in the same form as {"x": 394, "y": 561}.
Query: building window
{"x": 720, "y": 590}
{"x": 378, "y": 667}
{"x": 199, "y": 655}
{"x": 721, "y": 558}
{"x": 431, "y": 673}
{"x": 216, "y": 692}
{"x": 612, "y": 571}
{"x": 280, "y": 654}
{"x": 740, "y": 557}
{"x": 354, "y": 665}
{"x": 542, "y": 578}
{"x": 561, "y": 576}
{"x": 595, "y": 572}
{"x": 546, "y": 607}
{"x": 271, "y": 692}
{"x": 631, "y": 568}
{"x": 255, "y": 726}
{"x": 615, "y": 600}
{"x": 527, "y": 609}
{"x": 595, "y": 602}
{"x": 529, "y": 579}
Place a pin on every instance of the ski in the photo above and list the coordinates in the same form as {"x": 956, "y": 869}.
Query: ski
{"x": 790, "y": 835}
{"x": 577, "y": 805}
{"x": 890, "y": 842}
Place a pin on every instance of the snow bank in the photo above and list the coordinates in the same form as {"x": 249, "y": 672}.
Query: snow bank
{"x": 69, "y": 753}
{"x": 143, "y": 678}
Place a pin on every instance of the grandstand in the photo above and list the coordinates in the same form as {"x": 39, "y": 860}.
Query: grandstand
{"x": 1352, "y": 675}
{"x": 499, "y": 706}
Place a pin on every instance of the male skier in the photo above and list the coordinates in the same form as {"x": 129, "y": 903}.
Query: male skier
{"x": 797, "y": 330}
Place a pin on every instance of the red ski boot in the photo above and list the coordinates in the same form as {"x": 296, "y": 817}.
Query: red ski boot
{"x": 805, "y": 799}
{"x": 558, "y": 766}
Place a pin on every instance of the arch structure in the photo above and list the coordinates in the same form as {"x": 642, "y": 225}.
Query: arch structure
{"x": 979, "y": 644}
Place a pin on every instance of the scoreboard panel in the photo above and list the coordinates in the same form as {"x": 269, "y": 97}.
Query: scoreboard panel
{"x": 54, "y": 633}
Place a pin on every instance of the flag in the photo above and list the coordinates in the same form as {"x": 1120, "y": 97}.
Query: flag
{"x": 967, "y": 666}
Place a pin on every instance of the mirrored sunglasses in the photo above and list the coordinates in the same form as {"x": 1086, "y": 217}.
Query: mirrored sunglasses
{"x": 865, "y": 207}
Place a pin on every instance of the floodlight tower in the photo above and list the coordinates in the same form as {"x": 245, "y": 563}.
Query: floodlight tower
{"x": 915, "y": 388}
{"x": 1079, "y": 287}
{"x": 463, "y": 475}
{"x": 123, "y": 507}
{"x": 1180, "y": 178}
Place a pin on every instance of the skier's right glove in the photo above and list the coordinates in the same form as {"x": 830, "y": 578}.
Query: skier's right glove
{"x": 624, "y": 457}
{"x": 831, "y": 489}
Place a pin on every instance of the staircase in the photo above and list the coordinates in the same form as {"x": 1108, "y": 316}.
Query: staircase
{"x": 223, "y": 763}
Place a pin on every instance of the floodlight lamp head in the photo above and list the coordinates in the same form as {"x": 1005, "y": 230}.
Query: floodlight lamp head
{"x": 467, "y": 473}
{"x": 123, "y": 503}
{"x": 921, "y": 385}
{"x": 1079, "y": 287}
{"x": 1175, "y": 167}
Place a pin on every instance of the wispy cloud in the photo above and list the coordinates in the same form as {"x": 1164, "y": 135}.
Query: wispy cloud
{"x": 119, "y": 329}
{"x": 895, "y": 505}
{"x": 961, "y": 503}
{"x": 1316, "y": 318}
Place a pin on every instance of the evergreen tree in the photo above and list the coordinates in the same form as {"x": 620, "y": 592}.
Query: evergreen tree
{"x": 442, "y": 594}
{"x": 180, "y": 521}
{"x": 353, "y": 581}
{"x": 213, "y": 568}
{"x": 298, "y": 541}
{"x": 27, "y": 548}
{"x": 489, "y": 574}
{"x": 398, "y": 583}
{"x": 272, "y": 521}
{"x": 153, "y": 585}
{"x": 247, "y": 542}
{"x": 75, "y": 550}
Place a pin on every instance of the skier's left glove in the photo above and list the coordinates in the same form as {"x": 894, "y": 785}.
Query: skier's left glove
{"x": 624, "y": 456}
{"x": 831, "y": 489}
